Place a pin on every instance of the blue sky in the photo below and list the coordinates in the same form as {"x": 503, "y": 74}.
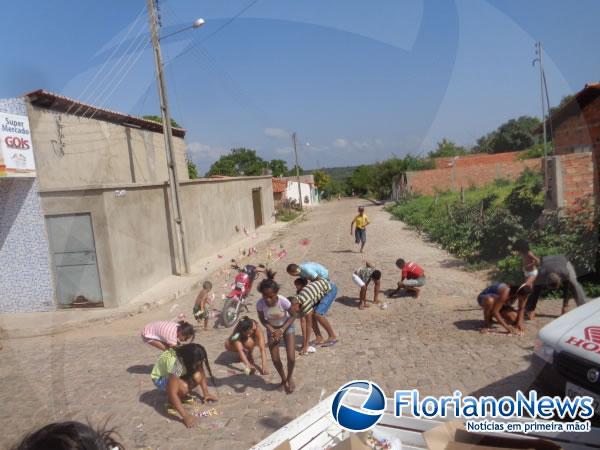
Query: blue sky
{"x": 358, "y": 81}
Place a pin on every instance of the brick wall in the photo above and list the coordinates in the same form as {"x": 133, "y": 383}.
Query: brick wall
{"x": 429, "y": 181}
{"x": 578, "y": 177}
{"x": 476, "y": 160}
{"x": 580, "y": 133}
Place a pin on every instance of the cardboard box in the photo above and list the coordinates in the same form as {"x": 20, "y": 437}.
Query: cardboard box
{"x": 453, "y": 436}
{"x": 284, "y": 446}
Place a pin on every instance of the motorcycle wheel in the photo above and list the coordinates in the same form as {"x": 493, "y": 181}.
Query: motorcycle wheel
{"x": 231, "y": 312}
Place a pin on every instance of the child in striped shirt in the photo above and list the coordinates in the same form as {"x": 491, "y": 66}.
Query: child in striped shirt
{"x": 166, "y": 334}
{"x": 316, "y": 298}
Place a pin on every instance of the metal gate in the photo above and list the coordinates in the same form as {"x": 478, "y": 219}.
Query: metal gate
{"x": 257, "y": 206}
{"x": 73, "y": 250}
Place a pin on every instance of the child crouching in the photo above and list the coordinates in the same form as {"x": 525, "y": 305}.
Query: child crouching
{"x": 177, "y": 372}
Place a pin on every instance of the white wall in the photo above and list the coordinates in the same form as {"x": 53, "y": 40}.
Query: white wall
{"x": 292, "y": 192}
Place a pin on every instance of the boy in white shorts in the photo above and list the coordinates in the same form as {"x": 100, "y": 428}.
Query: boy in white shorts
{"x": 362, "y": 277}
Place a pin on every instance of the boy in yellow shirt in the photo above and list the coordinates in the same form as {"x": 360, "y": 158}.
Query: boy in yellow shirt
{"x": 360, "y": 223}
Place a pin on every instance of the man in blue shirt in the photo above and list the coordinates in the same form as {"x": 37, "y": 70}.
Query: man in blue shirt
{"x": 310, "y": 271}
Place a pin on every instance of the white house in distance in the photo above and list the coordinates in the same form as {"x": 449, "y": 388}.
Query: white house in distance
{"x": 286, "y": 188}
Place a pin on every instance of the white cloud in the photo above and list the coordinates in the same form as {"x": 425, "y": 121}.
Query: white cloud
{"x": 361, "y": 145}
{"x": 277, "y": 133}
{"x": 200, "y": 151}
{"x": 340, "y": 143}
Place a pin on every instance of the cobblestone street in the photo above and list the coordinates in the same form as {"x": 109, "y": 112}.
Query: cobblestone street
{"x": 432, "y": 343}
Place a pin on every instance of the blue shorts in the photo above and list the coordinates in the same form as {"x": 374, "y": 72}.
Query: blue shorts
{"x": 360, "y": 235}
{"x": 290, "y": 330}
{"x": 323, "y": 307}
{"x": 161, "y": 383}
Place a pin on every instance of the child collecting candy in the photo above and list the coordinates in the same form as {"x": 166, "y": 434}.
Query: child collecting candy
{"x": 201, "y": 311}
{"x": 177, "y": 372}
{"x": 166, "y": 334}
{"x": 245, "y": 337}
{"x": 273, "y": 312}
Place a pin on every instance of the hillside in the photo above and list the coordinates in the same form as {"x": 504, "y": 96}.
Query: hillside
{"x": 337, "y": 173}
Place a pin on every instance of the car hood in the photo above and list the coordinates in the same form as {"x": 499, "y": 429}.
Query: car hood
{"x": 577, "y": 332}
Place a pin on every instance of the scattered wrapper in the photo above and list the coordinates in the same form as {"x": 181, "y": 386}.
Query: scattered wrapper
{"x": 304, "y": 242}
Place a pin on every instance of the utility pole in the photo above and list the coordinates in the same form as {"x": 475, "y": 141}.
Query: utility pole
{"x": 297, "y": 169}
{"x": 178, "y": 236}
{"x": 538, "y": 52}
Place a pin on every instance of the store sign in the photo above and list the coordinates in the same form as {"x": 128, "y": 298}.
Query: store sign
{"x": 16, "y": 155}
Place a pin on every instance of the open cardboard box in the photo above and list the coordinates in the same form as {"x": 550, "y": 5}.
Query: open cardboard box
{"x": 453, "y": 436}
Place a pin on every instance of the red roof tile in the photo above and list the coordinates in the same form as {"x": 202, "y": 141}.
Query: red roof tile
{"x": 279, "y": 185}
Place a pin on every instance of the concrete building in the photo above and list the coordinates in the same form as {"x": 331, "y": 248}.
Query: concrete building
{"x": 286, "y": 188}
{"x": 573, "y": 171}
{"x": 93, "y": 227}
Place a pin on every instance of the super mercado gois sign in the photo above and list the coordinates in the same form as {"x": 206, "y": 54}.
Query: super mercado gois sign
{"x": 16, "y": 149}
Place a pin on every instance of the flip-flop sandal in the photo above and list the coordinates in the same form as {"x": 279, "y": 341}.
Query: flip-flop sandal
{"x": 329, "y": 343}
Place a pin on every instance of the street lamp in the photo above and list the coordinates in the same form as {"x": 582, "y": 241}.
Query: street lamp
{"x": 197, "y": 24}
{"x": 176, "y": 210}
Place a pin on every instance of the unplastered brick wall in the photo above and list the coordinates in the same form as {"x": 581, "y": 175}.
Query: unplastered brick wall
{"x": 578, "y": 177}
{"x": 428, "y": 182}
{"x": 476, "y": 160}
{"x": 574, "y": 135}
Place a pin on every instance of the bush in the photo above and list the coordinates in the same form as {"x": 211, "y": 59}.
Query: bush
{"x": 526, "y": 200}
{"x": 484, "y": 226}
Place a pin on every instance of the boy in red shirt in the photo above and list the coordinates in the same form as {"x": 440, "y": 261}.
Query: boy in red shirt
{"x": 413, "y": 277}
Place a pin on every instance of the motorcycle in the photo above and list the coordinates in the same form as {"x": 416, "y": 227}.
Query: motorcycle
{"x": 240, "y": 291}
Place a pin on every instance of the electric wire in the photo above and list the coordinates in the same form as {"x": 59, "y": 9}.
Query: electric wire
{"x": 111, "y": 56}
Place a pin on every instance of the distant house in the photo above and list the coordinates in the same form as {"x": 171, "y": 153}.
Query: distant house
{"x": 286, "y": 188}
{"x": 573, "y": 171}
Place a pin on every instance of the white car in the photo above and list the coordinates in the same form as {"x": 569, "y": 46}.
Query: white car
{"x": 567, "y": 354}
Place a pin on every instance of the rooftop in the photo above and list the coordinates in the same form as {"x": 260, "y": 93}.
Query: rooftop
{"x": 589, "y": 93}
{"x": 59, "y": 103}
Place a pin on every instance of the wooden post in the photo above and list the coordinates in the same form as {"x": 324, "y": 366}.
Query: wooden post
{"x": 462, "y": 194}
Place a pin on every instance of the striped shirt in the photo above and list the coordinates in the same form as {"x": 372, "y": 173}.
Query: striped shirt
{"x": 163, "y": 331}
{"x": 311, "y": 295}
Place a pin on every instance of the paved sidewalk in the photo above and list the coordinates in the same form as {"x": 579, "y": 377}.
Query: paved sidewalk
{"x": 170, "y": 289}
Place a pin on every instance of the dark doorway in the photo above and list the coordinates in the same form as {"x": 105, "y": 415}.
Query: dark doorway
{"x": 257, "y": 206}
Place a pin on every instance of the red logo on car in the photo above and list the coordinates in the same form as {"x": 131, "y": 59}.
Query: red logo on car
{"x": 592, "y": 334}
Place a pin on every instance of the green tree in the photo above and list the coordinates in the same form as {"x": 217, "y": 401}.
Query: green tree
{"x": 278, "y": 167}
{"x": 566, "y": 99}
{"x": 514, "y": 135}
{"x": 447, "y": 148}
{"x": 192, "y": 170}
{"x": 321, "y": 179}
{"x": 292, "y": 171}
{"x": 360, "y": 180}
{"x": 159, "y": 120}
{"x": 238, "y": 162}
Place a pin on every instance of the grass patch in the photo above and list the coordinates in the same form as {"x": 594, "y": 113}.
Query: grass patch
{"x": 287, "y": 215}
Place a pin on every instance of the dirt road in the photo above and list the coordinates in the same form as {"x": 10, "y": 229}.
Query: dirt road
{"x": 431, "y": 343}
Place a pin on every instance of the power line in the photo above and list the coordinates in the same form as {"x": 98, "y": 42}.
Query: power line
{"x": 117, "y": 84}
{"x": 218, "y": 30}
{"x": 138, "y": 42}
{"x": 112, "y": 55}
